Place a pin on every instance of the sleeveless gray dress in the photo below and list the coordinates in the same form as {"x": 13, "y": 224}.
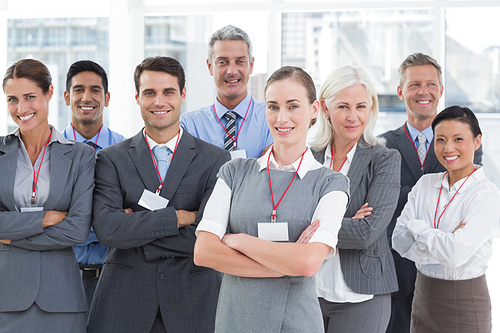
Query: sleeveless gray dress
{"x": 265, "y": 305}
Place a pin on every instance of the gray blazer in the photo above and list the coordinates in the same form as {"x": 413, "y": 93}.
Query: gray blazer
{"x": 365, "y": 256}
{"x": 39, "y": 265}
{"x": 150, "y": 260}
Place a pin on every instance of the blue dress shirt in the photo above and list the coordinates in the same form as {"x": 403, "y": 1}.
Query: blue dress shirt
{"x": 413, "y": 132}
{"x": 254, "y": 136}
{"x": 91, "y": 252}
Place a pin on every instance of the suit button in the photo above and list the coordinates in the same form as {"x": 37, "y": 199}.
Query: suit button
{"x": 162, "y": 232}
{"x": 157, "y": 233}
{"x": 167, "y": 232}
{"x": 152, "y": 233}
{"x": 376, "y": 252}
{"x": 161, "y": 276}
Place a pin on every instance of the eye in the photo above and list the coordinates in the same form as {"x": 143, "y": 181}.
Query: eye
{"x": 241, "y": 61}
{"x": 272, "y": 107}
{"x": 459, "y": 139}
{"x": 30, "y": 96}
{"x": 439, "y": 140}
{"x": 148, "y": 93}
{"x": 221, "y": 62}
{"x": 96, "y": 91}
{"x": 293, "y": 107}
{"x": 77, "y": 90}
{"x": 11, "y": 100}
{"x": 361, "y": 106}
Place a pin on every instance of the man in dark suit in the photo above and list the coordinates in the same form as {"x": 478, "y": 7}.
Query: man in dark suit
{"x": 146, "y": 208}
{"x": 420, "y": 88}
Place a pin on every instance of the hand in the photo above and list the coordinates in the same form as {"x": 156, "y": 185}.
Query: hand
{"x": 307, "y": 234}
{"x": 363, "y": 212}
{"x": 231, "y": 240}
{"x": 185, "y": 218}
{"x": 461, "y": 225}
{"x": 5, "y": 241}
{"x": 53, "y": 217}
{"x": 128, "y": 210}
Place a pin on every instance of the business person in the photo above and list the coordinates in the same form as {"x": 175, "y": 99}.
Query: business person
{"x": 146, "y": 209}
{"x": 46, "y": 188}
{"x": 267, "y": 204}
{"x": 355, "y": 287}
{"x": 446, "y": 228}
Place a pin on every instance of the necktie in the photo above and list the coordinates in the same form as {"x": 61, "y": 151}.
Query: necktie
{"x": 230, "y": 116}
{"x": 422, "y": 150}
{"x": 162, "y": 155}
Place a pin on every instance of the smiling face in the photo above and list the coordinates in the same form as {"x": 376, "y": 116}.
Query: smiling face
{"x": 421, "y": 92}
{"x": 454, "y": 145}
{"x": 231, "y": 67}
{"x": 160, "y": 99}
{"x": 289, "y": 113}
{"x": 349, "y": 112}
{"x": 86, "y": 98}
{"x": 28, "y": 105}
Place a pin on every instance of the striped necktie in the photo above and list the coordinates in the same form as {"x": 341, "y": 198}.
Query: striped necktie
{"x": 230, "y": 116}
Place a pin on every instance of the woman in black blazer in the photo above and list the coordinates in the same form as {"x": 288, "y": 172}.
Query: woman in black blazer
{"x": 355, "y": 287}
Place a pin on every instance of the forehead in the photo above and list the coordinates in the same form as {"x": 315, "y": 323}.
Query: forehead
{"x": 86, "y": 79}
{"x": 286, "y": 89}
{"x": 422, "y": 73}
{"x": 230, "y": 49}
{"x": 158, "y": 81}
{"x": 16, "y": 86}
{"x": 452, "y": 127}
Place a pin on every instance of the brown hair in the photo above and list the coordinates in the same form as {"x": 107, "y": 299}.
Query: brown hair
{"x": 30, "y": 69}
{"x": 417, "y": 59}
{"x": 160, "y": 64}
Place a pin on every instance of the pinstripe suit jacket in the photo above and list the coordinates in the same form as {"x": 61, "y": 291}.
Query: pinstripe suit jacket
{"x": 365, "y": 256}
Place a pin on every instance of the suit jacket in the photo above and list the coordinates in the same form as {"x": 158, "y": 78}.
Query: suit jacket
{"x": 150, "y": 260}
{"x": 410, "y": 174}
{"x": 40, "y": 265}
{"x": 365, "y": 255}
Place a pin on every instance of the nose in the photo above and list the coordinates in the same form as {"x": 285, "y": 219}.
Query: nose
{"x": 86, "y": 96}
{"x": 159, "y": 100}
{"x": 231, "y": 69}
{"x": 283, "y": 116}
{"x": 351, "y": 114}
{"x": 423, "y": 89}
{"x": 448, "y": 147}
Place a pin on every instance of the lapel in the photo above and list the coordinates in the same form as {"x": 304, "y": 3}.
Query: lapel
{"x": 60, "y": 166}
{"x": 362, "y": 157}
{"x": 408, "y": 152}
{"x": 141, "y": 156}
{"x": 8, "y": 163}
{"x": 179, "y": 165}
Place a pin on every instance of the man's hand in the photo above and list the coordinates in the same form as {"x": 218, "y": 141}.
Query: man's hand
{"x": 185, "y": 218}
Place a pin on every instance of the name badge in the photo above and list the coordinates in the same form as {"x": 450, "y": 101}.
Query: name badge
{"x": 151, "y": 201}
{"x": 31, "y": 209}
{"x": 435, "y": 268}
{"x": 275, "y": 232}
{"x": 242, "y": 153}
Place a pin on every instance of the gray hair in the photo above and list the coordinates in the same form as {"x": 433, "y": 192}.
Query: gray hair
{"x": 228, "y": 32}
{"x": 338, "y": 80}
{"x": 417, "y": 59}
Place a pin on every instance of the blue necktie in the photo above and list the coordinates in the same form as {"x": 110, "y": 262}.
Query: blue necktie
{"x": 162, "y": 155}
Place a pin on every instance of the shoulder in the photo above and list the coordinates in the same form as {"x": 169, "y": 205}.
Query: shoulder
{"x": 240, "y": 167}
{"x": 331, "y": 180}
{"x": 196, "y": 114}
{"x": 382, "y": 153}
{"x": 116, "y": 149}
{"x": 392, "y": 133}
{"x": 203, "y": 147}
{"x": 116, "y": 137}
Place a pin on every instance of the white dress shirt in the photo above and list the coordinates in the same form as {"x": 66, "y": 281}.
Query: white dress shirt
{"x": 330, "y": 282}
{"x": 329, "y": 210}
{"x": 441, "y": 253}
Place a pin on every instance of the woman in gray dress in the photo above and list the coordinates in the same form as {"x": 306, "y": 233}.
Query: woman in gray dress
{"x": 272, "y": 249}
{"x": 46, "y": 188}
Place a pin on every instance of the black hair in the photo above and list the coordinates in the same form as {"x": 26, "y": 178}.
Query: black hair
{"x": 459, "y": 113}
{"x": 86, "y": 66}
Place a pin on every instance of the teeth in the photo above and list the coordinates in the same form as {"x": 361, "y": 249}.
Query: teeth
{"x": 283, "y": 129}
{"x": 26, "y": 117}
{"x": 450, "y": 158}
{"x": 87, "y": 108}
{"x": 160, "y": 112}
{"x": 423, "y": 102}
{"x": 232, "y": 81}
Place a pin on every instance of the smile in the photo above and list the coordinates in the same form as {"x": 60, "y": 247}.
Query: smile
{"x": 28, "y": 117}
{"x": 284, "y": 130}
{"x": 423, "y": 102}
{"x": 159, "y": 112}
{"x": 87, "y": 108}
{"x": 450, "y": 158}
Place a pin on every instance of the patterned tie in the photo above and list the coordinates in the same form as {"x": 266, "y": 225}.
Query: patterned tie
{"x": 162, "y": 155}
{"x": 230, "y": 116}
{"x": 422, "y": 150}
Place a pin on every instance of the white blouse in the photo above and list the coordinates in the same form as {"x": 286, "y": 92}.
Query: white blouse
{"x": 441, "y": 253}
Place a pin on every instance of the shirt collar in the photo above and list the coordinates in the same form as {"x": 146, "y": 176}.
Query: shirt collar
{"x": 56, "y": 136}
{"x": 103, "y": 135}
{"x": 240, "y": 109}
{"x": 350, "y": 154}
{"x": 414, "y": 133}
{"x": 170, "y": 144}
{"x": 308, "y": 163}
{"x": 477, "y": 176}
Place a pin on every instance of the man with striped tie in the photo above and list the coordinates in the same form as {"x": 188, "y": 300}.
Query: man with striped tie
{"x": 235, "y": 122}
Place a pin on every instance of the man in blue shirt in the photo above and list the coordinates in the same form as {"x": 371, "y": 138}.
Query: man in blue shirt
{"x": 235, "y": 122}
{"x": 87, "y": 94}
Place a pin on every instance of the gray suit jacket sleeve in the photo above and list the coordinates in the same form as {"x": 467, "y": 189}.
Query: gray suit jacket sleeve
{"x": 71, "y": 188}
{"x": 382, "y": 194}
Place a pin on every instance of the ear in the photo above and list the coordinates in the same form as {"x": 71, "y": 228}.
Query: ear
{"x": 251, "y": 66}
{"x": 183, "y": 95}
{"x": 106, "y": 99}
{"x": 441, "y": 91}
{"x": 315, "y": 110}
{"x": 210, "y": 69}
{"x": 50, "y": 92}
{"x": 66, "y": 97}
{"x": 137, "y": 97}
{"x": 477, "y": 142}
{"x": 400, "y": 93}
{"x": 324, "y": 107}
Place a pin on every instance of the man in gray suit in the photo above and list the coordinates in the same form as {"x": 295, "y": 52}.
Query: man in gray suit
{"x": 146, "y": 209}
{"x": 420, "y": 88}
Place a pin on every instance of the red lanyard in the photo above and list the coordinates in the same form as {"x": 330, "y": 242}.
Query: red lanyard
{"x": 421, "y": 163}
{"x": 436, "y": 225}
{"x": 273, "y": 217}
{"x": 154, "y": 159}
{"x": 35, "y": 177}
{"x": 97, "y": 139}
{"x": 331, "y": 160}
{"x": 233, "y": 139}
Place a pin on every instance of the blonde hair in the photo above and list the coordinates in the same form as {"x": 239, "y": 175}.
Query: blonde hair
{"x": 338, "y": 80}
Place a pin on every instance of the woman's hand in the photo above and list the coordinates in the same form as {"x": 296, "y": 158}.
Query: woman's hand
{"x": 5, "y": 241}
{"x": 363, "y": 212}
{"x": 461, "y": 225}
{"x": 53, "y": 217}
{"x": 307, "y": 234}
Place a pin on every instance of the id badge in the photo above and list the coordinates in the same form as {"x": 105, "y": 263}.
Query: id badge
{"x": 435, "y": 268}
{"x": 242, "y": 153}
{"x": 275, "y": 232}
{"x": 31, "y": 209}
{"x": 151, "y": 201}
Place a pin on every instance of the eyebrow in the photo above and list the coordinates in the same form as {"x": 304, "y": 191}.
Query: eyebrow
{"x": 83, "y": 86}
